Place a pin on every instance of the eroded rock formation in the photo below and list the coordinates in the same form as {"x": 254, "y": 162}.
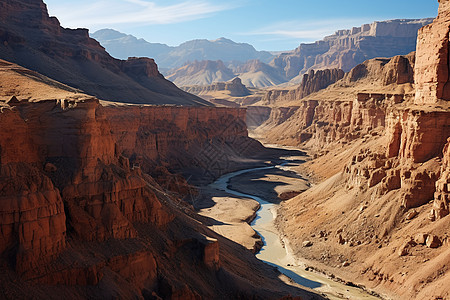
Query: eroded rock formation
{"x": 315, "y": 81}
{"x": 384, "y": 210}
{"x": 432, "y": 71}
{"x": 81, "y": 216}
{"x": 235, "y": 87}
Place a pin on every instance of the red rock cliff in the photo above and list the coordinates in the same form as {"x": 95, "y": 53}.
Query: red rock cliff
{"x": 77, "y": 218}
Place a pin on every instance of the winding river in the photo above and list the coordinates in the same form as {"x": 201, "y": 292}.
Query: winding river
{"x": 275, "y": 254}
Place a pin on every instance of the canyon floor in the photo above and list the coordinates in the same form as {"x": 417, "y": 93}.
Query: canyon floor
{"x": 252, "y": 223}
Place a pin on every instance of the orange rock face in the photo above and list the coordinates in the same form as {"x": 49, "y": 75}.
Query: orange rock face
{"x": 83, "y": 142}
{"x": 432, "y": 65}
{"x": 32, "y": 219}
{"x": 316, "y": 80}
{"x": 312, "y": 82}
{"x": 441, "y": 205}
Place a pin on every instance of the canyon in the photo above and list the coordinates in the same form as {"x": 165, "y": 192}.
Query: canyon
{"x": 89, "y": 208}
{"x": 94, "y": 197}
{"x": 105, "y": 167}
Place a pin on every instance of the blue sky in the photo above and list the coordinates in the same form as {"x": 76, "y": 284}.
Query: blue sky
{"x": 266, "y": 24}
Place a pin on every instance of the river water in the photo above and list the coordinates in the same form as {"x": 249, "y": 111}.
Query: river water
{"x": 275, "y": 254}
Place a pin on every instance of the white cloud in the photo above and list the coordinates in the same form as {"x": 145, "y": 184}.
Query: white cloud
{"x": 102, "y": 13}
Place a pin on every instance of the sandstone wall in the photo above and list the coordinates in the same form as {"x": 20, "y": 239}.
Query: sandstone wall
{"x": 432, "y": 65}
{"x": 315, "y": 81}
{"x": 312, "y": 82}
{"x": 66, "y": 163}
{"x": 320, "y": 123}
{"x": 179, "y": 138}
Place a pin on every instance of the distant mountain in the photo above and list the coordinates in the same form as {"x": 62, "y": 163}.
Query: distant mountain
{"x": 203, "y": 72}
{"x": 343, "y": 50}
{"x": 220, "y": 49}
{"x": 122, "y": 46}
{"x": 347, "y": 48}
{"x": 255, "y": 73}
{"x": 31, "y": 38}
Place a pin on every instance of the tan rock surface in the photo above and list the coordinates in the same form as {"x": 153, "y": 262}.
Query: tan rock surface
{"x": 347, "y": 48}
{"x": 231, "y": 217}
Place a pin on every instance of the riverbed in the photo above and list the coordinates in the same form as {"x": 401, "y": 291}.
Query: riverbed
{"x": 274, "y": 251}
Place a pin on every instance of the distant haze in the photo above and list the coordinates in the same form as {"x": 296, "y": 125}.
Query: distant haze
{"x": 202, "y": 62}
{"x": 122, "y": 46}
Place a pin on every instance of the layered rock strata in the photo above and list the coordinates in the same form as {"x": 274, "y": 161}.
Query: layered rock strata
{"x": 349, "y": 114}
{"x": 348, "y": 48}
{"x": 432, "y": 71}
{"x": 312, "y": 82}
{"x": 81, "y": 216}
{"x": 316, "y": 80}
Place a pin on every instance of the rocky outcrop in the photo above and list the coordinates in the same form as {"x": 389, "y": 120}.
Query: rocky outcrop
{"x": 320, "y": 123}
{"x": 432, "y": 65}
{"x": 315, "y": 81}
{"x": 235, "y": 87}
{"x": 441, "y": 205}
{"x": 32, "y": 39}
{"x": 390, "y": 74}
{"x": 348, "y": 48}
